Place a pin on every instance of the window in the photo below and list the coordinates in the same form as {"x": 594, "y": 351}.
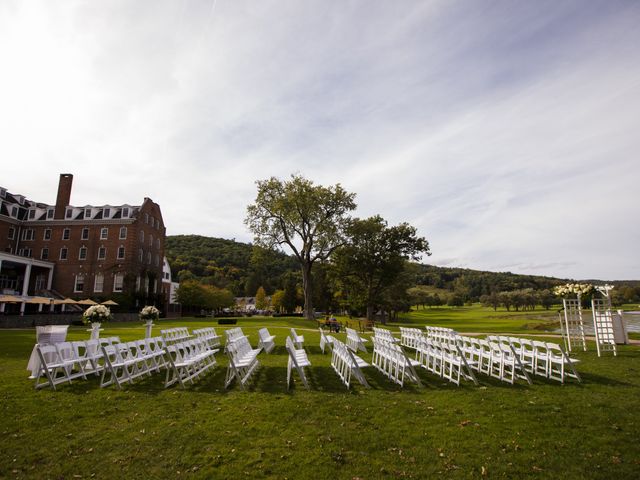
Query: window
{"x": 104, "y": 233}
{"x": 149, "y": 258}
{"x": 47, "y": 234}
{"x": 120, "y": 252}
{"x": 14, "y": 212}
{"x": 12, "y": 233}
{"x": 27, "y": 234}
{"x": 138, "y": 283}
{"x": 44, "y": 254}
{"x": 63, "y": 253}
{"x": 82, "y": 253}
{"x": 157, "y": 224}
{"x": 123, "y": 233}
{"x": 98, "y": 284}
{"x": 66, "y": 233}
{"x": 151, "y": 240}
{"x": 102, "y": 253}
{"x": 125, "y": 213}
{"x": 32, "y": 214}
{"x": 79, "y": 283}
{"x": 141, "y": 236}
{"x": 106, "y": 213}
{"x": 118, "y": 281}
{"x": 85, "y": 234}
{"x": 146, "y": 218}
{"x": 87, "y": 213}
{"x": 157, "y": 260}
{"x": 24, "y": 252}
{"x": 158, "y": 243}
{"x": 69, "y": 213}
{"x": 140, "y": 255}
{"x": 50, "y": 213}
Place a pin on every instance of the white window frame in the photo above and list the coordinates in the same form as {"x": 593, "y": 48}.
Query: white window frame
{"x": 11, "y": 234}
{"x": 118, "y": 286}
{"x": 104, "y": 233}
{"x": 44, "y": 234}
{"x": 75, "y": 283}
{"x": 123, "y": 233}
{"x": 106, "y": 213}
{"x": 66, "y": 234}
{"x": 102, "y": 250}
{"x": 82, "y": 235}
{"x": 124, "y": 253}
{"x": 80, "y": 251}
{"x": 42, "y": 255}
{"x": 50, "y": 213}
{"x": 66, "y": 253}
{"x": 98, "y": 287}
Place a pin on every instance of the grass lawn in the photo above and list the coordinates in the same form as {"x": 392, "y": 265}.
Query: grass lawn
{"x": 546, "y": 430}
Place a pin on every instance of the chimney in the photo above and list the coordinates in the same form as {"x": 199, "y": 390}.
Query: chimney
{"x": 64, "y": 195}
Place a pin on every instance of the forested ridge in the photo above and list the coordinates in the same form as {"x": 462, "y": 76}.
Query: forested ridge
{"x": 243, "y": 268}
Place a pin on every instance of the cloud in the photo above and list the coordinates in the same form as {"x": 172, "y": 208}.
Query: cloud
{"x": 506, "y": 133}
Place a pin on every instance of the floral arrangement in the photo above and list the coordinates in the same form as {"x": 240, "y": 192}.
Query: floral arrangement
{"x": 574, "y": 288}
{"x": 149, "y": 313}
{"x": 96, "y": 313}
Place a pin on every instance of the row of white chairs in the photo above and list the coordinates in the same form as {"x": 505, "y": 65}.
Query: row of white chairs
{"x": 243, "y": 359}
{"x": 384, "y": 334}
{"x": 173, "y": 335}
{"x": 444, "y": 360}
{"x": 64, "y": 361}
{"x": 410, "y": 337}
{"x": 544, "y": 359}
{"x": 209, "y": 335}
{"x": 440, "y": 334}
{"x": 354, "y": 341}
{"x": 390, "y": 359}
{"x": 346, "y": 364}
{"x": 124, "y": 362}
{"x": 188, "y": 360}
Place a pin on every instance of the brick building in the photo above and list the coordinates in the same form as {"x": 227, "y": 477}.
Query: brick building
{"x": 81, "y": 252}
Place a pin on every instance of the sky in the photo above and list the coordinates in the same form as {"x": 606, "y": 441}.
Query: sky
{"x": 507, "y": 132}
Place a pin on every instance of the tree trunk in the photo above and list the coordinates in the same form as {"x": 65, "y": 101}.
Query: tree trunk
{"x": 307, "y": 288}
{"x": 370, "y": 312}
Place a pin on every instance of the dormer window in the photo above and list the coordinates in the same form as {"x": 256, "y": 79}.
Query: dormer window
{"x": 32, "y": 214}
{"x": 106, "y": 213}
{"x": 69, "y": 213}
{"x": 50, "y": 213}
{"x": 87, "y": 213}
{"x": 125, "y": 213}
{"x": 14, "y": 212}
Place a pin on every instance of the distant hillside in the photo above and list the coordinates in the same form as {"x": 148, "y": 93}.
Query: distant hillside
{"x": 243, "y": 268}
{"x": 240, "y": 267}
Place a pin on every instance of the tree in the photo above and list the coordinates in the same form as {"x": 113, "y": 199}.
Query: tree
{"x": 310, "y": 219}
{"x": 290, "y": 296}
{"x": 277, "y": 301}
{"x": 261, "y": 299}
{"x": 374, "y": 257}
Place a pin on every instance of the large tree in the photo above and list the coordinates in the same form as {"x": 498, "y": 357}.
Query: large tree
{"x": 374, "y": 258}
{"x": 309, "y": 219}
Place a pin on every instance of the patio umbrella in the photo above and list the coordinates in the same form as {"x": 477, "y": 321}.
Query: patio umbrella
{"x": 87, "y": 301}
{"x": 9, "y": 299}
{"x": 40, "y": 300}
{"x": 109, "y": 302}
{"x": 66, "y": 301}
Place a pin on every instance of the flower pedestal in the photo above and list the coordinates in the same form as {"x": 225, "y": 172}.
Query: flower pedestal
{"x": 148, "y": 327}
{"x": 95, "y": 330}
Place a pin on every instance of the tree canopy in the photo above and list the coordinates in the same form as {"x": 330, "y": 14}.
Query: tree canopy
{"x": 309, "y": 219}
{"x": 374, "y": 257}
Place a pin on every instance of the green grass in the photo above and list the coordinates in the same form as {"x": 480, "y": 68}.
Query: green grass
{"x": 546, "y": 430}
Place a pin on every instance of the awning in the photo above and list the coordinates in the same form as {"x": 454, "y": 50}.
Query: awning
{"x": 66, "y": 301}
{"x": 109, "y": 302}
{"x": 40, "y": 300}
{"x": 9, "y": 299}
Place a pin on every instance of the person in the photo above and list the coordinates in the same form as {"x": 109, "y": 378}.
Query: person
{"x": 334, "y": 325}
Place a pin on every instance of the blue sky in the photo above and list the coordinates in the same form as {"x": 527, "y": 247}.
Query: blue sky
{"x": 506, "y": 132}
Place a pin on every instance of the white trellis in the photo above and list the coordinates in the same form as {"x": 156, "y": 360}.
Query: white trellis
{"x": 573, "y": 325}
{"x": 603, "y": 325}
